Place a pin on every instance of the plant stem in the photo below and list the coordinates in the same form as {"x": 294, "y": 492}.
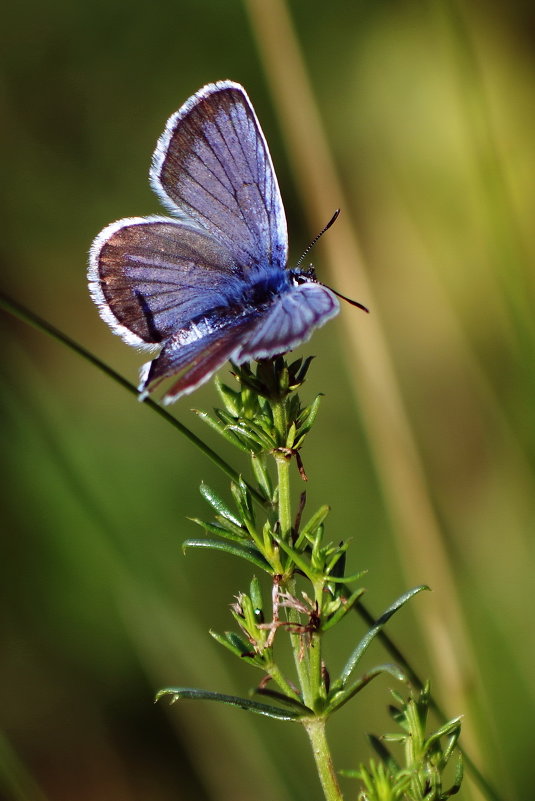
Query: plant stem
{"x": 285, "y": 503}
{"x": 279, "y": 679}
{"x": 285, "y": 522}
{"x": 315, "y": 728}
{"x": 283, "y": 462}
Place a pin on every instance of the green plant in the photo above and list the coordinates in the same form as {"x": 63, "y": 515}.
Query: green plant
{"x": 265, "y": 418}
{"x": 419, "y": 775}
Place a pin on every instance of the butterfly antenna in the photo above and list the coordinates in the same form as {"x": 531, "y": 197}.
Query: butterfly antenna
{"x": 309, "y": 248}
{"x": 349, "y": 300}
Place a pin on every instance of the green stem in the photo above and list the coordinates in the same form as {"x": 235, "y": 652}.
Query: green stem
{"x": 314, "y": 671}
{"x": 283, "y": 461}
{"x": 285, "y": 522}
{"x": 278, "y": 410}
{"x": 315, "y": 729}
{"x": 301, "y": 655}
{"x": 285, "y": 502}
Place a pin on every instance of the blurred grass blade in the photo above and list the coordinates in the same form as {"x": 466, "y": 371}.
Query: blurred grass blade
{"x": 15, "y": 780}
{"x": 22, "y": 313}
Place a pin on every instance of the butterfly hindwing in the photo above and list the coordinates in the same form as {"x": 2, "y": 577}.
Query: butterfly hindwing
{"x": 194, "y": 362}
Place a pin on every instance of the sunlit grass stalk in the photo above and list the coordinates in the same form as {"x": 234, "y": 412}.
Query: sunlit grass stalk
{"x": 506, "y": 249}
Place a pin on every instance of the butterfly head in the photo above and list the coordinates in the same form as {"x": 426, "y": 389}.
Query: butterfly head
{"x": 303, "y": 275}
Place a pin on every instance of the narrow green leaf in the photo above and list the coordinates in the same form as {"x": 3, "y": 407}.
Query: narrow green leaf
{"x": 301, "y": 563}
{"x": 336, "y": 566}
{"x": 242, "y": 500}
{"x": 312, "y": 524}
{"x": 459, "y": 772}
{"x": 240, "y": 429}
{"x": 221, "y": 429}
{"x": 294, "y": 407}
{"x": 237, "y": 646}
{"x": 221, "y": 530}
{"x": 290, "y": 437}
{"x": 248, "y": 443}
{"x": 262, "y": 476}
{"x": 346, "y": 579}
{"x": 240, "y": 532}
{"x": 250, "y": 553}
{"x": 217, "y": 503}
{"x": 299, "y": 372}
{"x": 232, "y": 641}
{"x": 343, "y": 610}
{"x": 182, "y": 693}
{"x": 292, "y": 703}
{"x": 230, "y": 397}
{"x": 255, "y": 592}
{"x": 226, "y": 418}
{"x": 307, "y": 419}
{"x": 254, "y": 432}
{"x": 342, "y": 697}
{"x": 364, "y": 644}
{"x": 452, "y": 727}
{"x": 451, "y": 731}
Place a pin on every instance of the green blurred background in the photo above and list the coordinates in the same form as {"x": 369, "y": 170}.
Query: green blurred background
{"x": 428, "y": 109}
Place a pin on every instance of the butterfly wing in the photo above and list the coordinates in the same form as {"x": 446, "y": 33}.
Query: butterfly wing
{"x": 211, "y": 285}
{"x": 151, "y": 277}
{"x": 290, "y": 321}
{"x": 197, "y": 351}
{"x": 212, "y": 165}
{"x": 195, "y": 361}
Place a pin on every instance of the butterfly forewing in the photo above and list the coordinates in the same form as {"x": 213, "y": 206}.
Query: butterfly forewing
{"x": 212, "y": 164}
{"x": 152, "y": 276}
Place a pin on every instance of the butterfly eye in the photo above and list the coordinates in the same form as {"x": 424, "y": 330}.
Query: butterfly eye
{"x": 306, "y": 274}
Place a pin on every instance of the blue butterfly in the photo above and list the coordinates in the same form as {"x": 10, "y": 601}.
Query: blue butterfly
{"x": 212, "y": 283}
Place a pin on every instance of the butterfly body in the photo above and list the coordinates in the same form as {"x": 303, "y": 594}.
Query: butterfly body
{"x": 211, "y": 283}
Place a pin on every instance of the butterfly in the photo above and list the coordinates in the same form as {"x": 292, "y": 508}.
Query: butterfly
{"x": 211, "y": 283}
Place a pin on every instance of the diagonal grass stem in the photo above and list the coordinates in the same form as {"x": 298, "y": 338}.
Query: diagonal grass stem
{"x": 26, "y": 315}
